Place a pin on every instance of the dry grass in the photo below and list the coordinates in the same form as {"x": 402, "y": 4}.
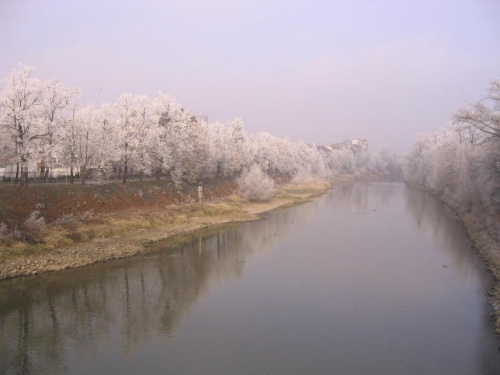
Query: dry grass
{"x": 298, "y": 192}
{"x": 69, "y": 230}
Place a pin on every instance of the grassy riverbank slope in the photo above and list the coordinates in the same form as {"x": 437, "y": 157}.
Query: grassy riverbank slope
{"x": 88, "y": 224}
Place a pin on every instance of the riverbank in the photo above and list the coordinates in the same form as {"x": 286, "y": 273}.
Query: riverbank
{"x": 129, "y": 232}
{"x": 487, "y": 247}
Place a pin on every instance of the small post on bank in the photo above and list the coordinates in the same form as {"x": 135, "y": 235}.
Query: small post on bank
{"x": 200, "y": 193}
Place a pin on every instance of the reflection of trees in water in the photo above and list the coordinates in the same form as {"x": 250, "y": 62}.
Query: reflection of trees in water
{"x": 434, "y": 218}
{"x": 354, "y": 195}
{"x": 431, "y": 216}
{"x": 122, "y": 304}
{"x": 360, "y": 195}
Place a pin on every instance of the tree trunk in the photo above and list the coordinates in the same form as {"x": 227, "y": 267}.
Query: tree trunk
{"x": 23, "y": 165}
{"x": 25, "y": 177}
{"x": 83, "y": 174}
{"x": 125, "y": 168}
{"x": 71, "y": 176}
{"x": 17, "y": 172}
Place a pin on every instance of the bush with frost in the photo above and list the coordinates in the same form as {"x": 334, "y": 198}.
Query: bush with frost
{"x": 87, "y": 216}
{"x": 67, "y": 220}
{"x": 6, "y": 237}
{"x": 255, "y": 185}
{"x": 303, "y": 176}
{"x": 4, "y": 231}
{"x": 35, "y": 223}
{"x": 70, "y": 220}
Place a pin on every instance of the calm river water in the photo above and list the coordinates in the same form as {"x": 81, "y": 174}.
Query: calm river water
{"x": 373, "y": 278}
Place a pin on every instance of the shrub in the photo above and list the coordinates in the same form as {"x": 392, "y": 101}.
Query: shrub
{"x": 255, "y": 185}
{"x": 66, "y": 220}
{"x": 5, "y": 235}
{"x": 4, "y": 231}
{"x": 71, "y": 219}
{"x": 303, "y": 177}
{"x": 87, "y": 216}
{"x": 35, "y": 223}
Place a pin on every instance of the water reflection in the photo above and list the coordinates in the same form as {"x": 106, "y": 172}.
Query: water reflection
{"x": 433, "y": 218}
{"x": 341, "y": 283}
{"x": 355, "y": 197}
{"x": 437, "y": 221}
{"x": 123, "y": 303}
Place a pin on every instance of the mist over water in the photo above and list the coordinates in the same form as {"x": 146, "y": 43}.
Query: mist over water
{"x": 372, "y": 278}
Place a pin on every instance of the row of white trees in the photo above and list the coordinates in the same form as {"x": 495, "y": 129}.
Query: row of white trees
{"x": 43, "y": 121}
{"x": 463, "y": 162}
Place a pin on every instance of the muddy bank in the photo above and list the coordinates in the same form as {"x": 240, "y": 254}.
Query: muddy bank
{"x": 487, "y": 247}
{"x": 185, "y": 218}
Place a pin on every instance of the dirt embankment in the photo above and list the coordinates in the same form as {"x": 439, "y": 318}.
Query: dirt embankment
{"x": 124, "y": 219}
{"x": 54, "y": 201}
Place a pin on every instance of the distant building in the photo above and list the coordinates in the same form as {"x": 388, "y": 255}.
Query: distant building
{"x": 55, "y": 168}
{"x": 8, "y": 165}
{"x": 325, "y": 148}
{"x": 358, "y": 145}
{"x": 339, "y": 146}
{"x": 36, "y": 168}
{"x": 9, "y": 170}
{"x": 355, "y": 145}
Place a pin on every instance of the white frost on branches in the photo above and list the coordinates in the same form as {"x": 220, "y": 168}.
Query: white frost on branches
{"x": 463, "y": 163}
{"x": 255, "y": 185}
{"x": 43, "y": 122}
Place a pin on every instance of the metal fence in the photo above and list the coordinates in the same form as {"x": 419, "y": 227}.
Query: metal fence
{"x": 36, "y": 178}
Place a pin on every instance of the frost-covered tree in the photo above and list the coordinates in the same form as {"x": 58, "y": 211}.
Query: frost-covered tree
{"x": 218, "y": 153}
{"x": 482, "y": 117}
{"x": 256, "y": 185}
{"x": 69, "y": 144}
{"x": 463, "y": 163}
{"x": 56, "y": 99}
{"x": 171, "y": 143}
{"x": 267, "y": 155}
{"x": 89, "y": 141}
{"x": 133, "y": 121}
{"x": 142, "y": 160}
{"x": 21, "y": 116}
{"x": 98, "y": 144}
{"x": 383, "y": 162}
{"x": 237, "y": 144}
{"x": 43, "y": 121}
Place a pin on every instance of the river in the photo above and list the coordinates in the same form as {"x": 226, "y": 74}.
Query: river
{"x": 372, "y": 278}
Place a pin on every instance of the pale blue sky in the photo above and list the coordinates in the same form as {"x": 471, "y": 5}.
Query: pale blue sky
{"x": 318, "y": 71}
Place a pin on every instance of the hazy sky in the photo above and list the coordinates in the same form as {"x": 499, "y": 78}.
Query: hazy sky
{"x": 318, "y": 71}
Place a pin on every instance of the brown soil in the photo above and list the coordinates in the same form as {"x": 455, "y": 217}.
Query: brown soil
{"x": 53, "y": 201}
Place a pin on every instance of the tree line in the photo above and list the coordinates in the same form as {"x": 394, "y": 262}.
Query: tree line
{"x": 463, "y": 161}
{"x": 44, "y": 121}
